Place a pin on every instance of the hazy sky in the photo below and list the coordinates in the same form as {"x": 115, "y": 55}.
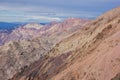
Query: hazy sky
{"x": 52, "y": 10}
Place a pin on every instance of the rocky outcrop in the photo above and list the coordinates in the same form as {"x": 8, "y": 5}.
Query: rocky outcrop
{"x": 92, "y": 53}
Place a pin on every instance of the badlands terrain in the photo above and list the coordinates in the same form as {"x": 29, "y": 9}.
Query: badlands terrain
{"x": 75, "y": 49}
{"x": 92, "y": 53}
{"x": 29, "y": 43}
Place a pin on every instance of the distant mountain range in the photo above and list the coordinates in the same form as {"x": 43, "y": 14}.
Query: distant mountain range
{"x": 9, "y": 26}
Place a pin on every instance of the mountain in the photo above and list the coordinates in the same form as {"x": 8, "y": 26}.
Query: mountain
{"x": 9, "y": 26}
{"x": 33, "y": 30}
{"x": 27, "y": 31}
{"x": 13, "y": 31}
{"x": 91, "y": 53}
{"x": 33, "y": 26}
{"x": 29, "y": 43}
{"x": 6, "y": 28}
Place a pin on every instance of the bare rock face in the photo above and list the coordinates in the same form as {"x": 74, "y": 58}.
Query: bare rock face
{"x": 29, "y": 43}
{"x": 92, "y": 53}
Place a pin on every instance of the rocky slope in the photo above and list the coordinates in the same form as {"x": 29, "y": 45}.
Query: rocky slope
{"x": 92, "y": 53}
{"x": 28, "y": 44}
{"x": 58, "y": 31}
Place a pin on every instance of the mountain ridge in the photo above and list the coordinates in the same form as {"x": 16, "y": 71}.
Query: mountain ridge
{"x": 22, "y": 52}
{"x": 92, "y": 53}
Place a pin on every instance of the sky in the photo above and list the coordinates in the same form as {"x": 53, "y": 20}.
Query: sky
{"x": 53, "y": 10}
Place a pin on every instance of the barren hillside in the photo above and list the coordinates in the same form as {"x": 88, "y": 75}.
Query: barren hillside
{"x": 30, "y": 43}
{"x": 92, "y": 53}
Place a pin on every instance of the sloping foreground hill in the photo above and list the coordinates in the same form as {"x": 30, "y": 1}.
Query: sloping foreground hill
{"x": 92, "y": 53}
{"x": 27, "y": 44}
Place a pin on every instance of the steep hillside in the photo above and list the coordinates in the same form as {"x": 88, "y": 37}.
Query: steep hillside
{"x": 92, "y": 53}
{"x": 27, "y": 44}
{"x": 58, "y": 31}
